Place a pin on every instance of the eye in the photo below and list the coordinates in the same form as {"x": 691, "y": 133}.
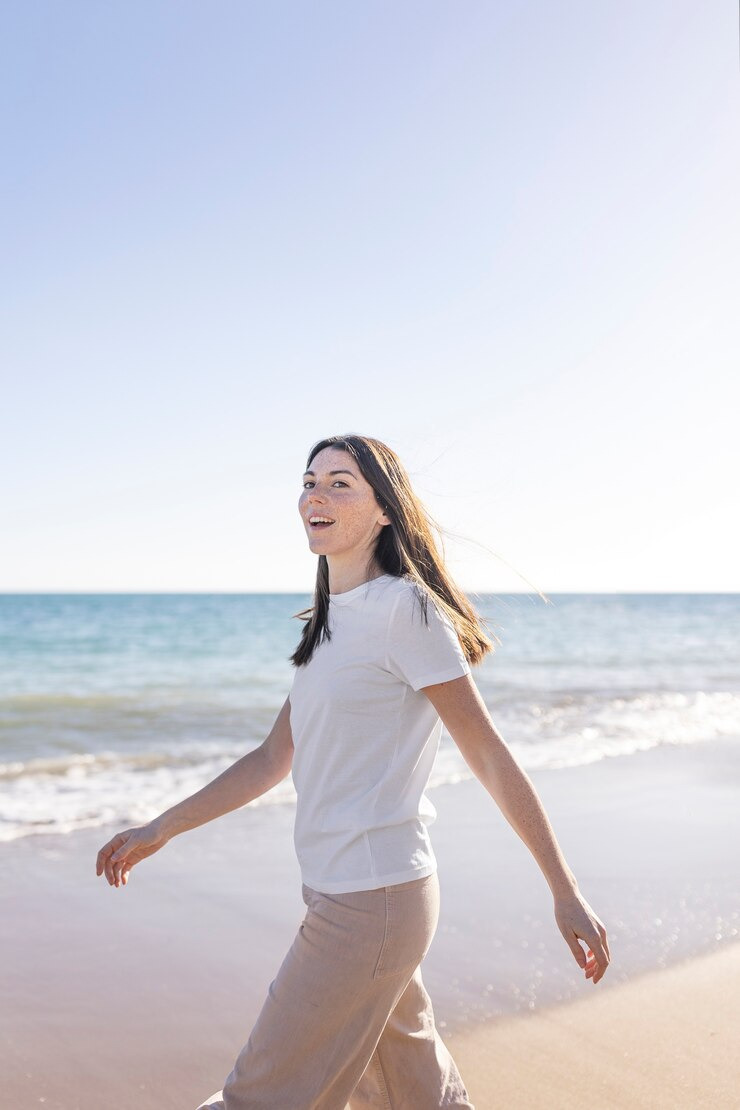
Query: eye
{"x": 310, "y": 483}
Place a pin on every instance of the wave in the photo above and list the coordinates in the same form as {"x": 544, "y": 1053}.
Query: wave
{"x": 65, "y": 791}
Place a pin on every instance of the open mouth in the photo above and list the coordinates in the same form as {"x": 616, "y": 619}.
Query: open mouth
{"x": 321, "y": 524}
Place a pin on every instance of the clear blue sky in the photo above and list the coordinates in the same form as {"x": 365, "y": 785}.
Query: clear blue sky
{"x": 503, "y": 237}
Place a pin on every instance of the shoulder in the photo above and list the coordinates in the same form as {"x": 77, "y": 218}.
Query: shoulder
{"x": 405, "y": 584}
{"x": 406, "y": 589}
{"x": 411, "y": 598}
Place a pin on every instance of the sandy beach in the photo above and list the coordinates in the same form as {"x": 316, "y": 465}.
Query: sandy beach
{"x": 667, "y": 1039}
{"x": 142, "y": 996}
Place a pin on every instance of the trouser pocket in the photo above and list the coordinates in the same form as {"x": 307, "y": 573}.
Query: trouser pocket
{"x": 411, "y": 916}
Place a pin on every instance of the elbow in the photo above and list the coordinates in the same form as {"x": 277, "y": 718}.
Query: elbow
{"x": 279, "y": 763}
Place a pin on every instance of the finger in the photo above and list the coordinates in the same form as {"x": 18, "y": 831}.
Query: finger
{"x": 102, "y": 856}
{"x": 110, "y": 868}
{"x": 116, "y": 866}
{"x": 578, "y": 953}
{"x": 602, "y": 955}
{"x": 601, "y": 963}
{"x": 601, "y": 930}
{"x": 595, "y": 968}
{"x": 597, "y": 949}
{"x": 119, "y": 858}
{"x": 124, "y": 865}
{"x": 105, "y": 853}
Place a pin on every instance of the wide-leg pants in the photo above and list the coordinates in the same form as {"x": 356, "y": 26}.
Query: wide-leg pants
{"x": 347, "y": 1023}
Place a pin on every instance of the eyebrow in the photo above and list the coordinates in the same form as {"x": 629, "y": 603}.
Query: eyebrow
{"x": 332, "y": 473}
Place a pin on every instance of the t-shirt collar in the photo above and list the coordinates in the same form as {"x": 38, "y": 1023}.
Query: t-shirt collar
{"x": 349, "y": 596}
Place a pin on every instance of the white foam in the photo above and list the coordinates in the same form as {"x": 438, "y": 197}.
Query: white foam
{"x": 62, "y": 793}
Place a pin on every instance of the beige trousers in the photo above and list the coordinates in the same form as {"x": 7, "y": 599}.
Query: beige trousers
{"x": 347, "y": 1023}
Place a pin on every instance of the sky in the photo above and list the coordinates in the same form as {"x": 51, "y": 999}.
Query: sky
{"x": 504, "y": 238}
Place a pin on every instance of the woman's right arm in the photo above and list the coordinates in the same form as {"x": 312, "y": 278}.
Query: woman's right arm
{"x": 252, "y": 775}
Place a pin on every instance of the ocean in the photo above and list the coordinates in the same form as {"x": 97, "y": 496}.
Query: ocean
{"x": 113, "y": 707}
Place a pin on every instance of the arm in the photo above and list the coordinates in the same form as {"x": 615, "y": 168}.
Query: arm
{"x": 252, "y": 775}
{"x": 466, "y": 718}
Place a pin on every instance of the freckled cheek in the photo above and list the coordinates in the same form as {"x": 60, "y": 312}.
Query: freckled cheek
{"x": 355, "y": 525}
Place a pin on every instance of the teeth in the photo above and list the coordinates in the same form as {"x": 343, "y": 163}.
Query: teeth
{"x": 320, "y": 519}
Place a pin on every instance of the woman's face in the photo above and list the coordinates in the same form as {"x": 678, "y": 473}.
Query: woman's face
{"x": 347, "y": 499}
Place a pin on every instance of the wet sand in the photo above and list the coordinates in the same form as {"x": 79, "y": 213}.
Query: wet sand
{"x": 142, "y": 996}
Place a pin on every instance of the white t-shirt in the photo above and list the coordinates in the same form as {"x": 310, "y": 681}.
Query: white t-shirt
{"x": 365, "y": 738}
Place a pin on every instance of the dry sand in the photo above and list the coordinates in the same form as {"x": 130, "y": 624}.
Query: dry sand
{"x": 667, "y": 1040}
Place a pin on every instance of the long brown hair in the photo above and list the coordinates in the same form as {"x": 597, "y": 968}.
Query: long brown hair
{"x": 405, "y": 548}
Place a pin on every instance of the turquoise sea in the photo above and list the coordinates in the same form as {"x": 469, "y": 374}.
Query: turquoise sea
{"x": 115, "y": 706}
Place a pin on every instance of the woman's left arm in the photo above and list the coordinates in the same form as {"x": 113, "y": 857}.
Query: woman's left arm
{"x": 466, "y": 718}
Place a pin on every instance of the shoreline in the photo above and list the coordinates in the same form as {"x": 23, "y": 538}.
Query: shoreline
{"x": 151, "y": 989}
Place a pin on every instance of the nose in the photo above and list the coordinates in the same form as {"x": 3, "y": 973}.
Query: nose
{"x": 314, "y": 501}
{"x": 315, "y": 495}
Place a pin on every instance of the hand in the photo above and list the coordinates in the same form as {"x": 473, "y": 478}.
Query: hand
{"x": 118, "y": 856}
{"x": 575, "y": 918}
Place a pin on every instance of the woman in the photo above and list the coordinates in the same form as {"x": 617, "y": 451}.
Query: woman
{"x": 383, "y": 658}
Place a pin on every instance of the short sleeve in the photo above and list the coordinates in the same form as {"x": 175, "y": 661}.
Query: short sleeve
{"x": 422, "y": 654}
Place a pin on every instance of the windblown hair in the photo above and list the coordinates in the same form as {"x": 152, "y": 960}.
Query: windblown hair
{"x": 405, "y": 548}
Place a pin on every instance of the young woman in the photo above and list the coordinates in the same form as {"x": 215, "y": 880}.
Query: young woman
{"x": 384, "y": 658}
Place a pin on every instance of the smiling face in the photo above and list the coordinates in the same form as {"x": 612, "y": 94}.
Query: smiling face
{"x": 336, "y": 489}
